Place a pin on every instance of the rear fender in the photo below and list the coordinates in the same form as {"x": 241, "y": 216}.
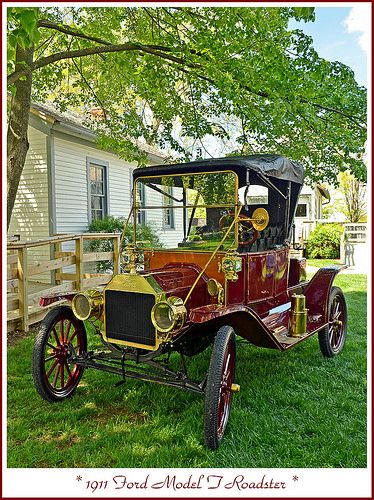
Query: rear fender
{"x": 317, "y": 293}
{"x": 244, "y": 320}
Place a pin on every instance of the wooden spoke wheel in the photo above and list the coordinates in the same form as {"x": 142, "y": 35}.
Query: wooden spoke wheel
{"x": 218, "y": 393}
{"x": 332, "y": 337}
{"x": 60, "y": 335}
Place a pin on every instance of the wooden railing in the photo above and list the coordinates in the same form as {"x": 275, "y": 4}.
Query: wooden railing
{"x": 23, "y": 291}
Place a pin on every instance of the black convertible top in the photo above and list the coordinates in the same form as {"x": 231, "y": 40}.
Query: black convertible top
{"x": 266, "y": 165}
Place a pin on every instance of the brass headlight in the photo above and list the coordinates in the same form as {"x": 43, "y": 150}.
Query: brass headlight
{"x": 88, "y": 304}
{"x": 168, "y": 315}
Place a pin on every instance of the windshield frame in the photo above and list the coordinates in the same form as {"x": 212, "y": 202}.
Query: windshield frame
{"x": 235, "y": 206}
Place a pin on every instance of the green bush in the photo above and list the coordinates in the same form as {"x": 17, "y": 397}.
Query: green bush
{"x": 324, "y": 242}
{"x": 145, "y": 234}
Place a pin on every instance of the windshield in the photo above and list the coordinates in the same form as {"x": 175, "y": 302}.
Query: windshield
{"x": 186, "y": 211}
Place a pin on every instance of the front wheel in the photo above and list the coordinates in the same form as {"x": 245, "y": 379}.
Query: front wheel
{"x": 332, "y": 337}
{"x": 218, "y": 393}
{"x": 60, "y": 334}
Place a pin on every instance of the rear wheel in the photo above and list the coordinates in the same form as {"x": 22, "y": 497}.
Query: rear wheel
{"x": 332, "y": 337}
{"x": 60, "y": 334}
{"x": 218, "y": 393}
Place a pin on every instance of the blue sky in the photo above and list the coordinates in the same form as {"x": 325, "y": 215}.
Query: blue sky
{"x": 341, "y": 35}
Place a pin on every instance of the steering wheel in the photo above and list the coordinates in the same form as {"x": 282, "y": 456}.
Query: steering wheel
{"x": 245, "y": 225}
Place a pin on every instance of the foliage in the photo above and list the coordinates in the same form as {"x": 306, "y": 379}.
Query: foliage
{"x": 108, "y": 224}
{"x": 145, "y": 234}
{"x": 141, "y": 424}
{"x": 195, "y": 237}
{"x": 324, "y": 242}
{"x": 354, "y": 193}
{"x": 23, "y": 31}
{"x": 183, "y": 73}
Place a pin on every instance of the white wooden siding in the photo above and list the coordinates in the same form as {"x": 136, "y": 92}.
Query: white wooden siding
{"x": 72, "y": 204}
{"x": 30, "y": 213}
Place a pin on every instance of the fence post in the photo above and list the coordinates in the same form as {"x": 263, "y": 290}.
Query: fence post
{"x": 116, "y": 254}
{"x": 79, "y": 263}
{"x": 22, "y": 288}
{"x": 13, "y": 266}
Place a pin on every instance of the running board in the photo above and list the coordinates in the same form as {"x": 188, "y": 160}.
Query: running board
{"x": 283, "y": 338}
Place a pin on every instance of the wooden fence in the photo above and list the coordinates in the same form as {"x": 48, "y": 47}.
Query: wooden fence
{"x": 24, "y": 290}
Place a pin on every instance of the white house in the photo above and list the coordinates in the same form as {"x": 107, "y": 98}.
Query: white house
{"x": 67, "y": 180}
{"x": 309, "y": 210}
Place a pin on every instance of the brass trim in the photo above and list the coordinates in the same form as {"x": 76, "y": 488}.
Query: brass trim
{"x": 213, "y": 254}
{"x": 179, "y": 313}
{"x": 298, "y": 316}
{"x": 236, "y": 205}
{"x": 136, "y": 283}
{"x": 125, "y": 226}
{"x": 223, "y": 205}
{"x": 259, "y": 219}
{"x": 95, "y": 304}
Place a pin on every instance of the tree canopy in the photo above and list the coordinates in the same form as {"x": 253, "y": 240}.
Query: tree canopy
{"x": 174, "y": 76}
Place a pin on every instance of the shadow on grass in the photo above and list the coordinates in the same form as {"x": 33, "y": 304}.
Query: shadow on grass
{"x": 295, "y": 409}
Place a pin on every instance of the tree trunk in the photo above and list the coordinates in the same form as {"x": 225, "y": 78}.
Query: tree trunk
{"x": 18, "y": 122}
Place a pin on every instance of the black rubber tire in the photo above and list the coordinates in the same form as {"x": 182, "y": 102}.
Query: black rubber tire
{"x": 330, "y": 344}
{"x": 214, "y": 423}
{"x": 45, "y": 339}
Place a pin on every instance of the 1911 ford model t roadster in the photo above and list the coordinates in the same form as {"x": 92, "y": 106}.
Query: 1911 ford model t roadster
{"x": 224, "y": 269}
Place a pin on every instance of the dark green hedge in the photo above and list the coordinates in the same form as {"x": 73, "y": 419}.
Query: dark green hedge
{"x": 146, "y": 234}
{"x": 324, "y": 242}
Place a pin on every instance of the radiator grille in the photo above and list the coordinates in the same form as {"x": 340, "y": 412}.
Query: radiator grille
{"x": 128, "y": 317}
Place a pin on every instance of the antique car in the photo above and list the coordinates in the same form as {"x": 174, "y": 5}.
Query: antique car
{"x": 223, "y": 269}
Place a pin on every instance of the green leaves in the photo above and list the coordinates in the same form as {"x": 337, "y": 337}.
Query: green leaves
{"x": 240, "y": 82}
{"x": 22, "y": 31}
{"x": 303, "y": 13}
{"x": 22, "y": 26}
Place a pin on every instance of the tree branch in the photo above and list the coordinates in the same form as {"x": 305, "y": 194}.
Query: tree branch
{"x": 155, "y": 50}
{"x": 91, "y": 89}
{"x": 63, "y": 28}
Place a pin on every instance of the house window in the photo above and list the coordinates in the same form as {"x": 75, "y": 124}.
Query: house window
{"x": 168, "y": 212}
{"x": 140, "y": 201}
{"x": 301, "y": 210}
{"x": 98, "y": 189}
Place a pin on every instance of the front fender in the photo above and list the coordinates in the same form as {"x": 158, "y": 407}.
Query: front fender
{"x": 50, "y": 298}
{"x": 317, "y": 293}
{"x": 243, "y": 319}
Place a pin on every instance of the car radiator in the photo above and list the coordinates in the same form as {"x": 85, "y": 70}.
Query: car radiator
{"x": 128, "y": 317}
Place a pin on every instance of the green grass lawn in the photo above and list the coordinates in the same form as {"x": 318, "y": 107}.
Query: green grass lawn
{"x": 295, "y": 409}
{"x": 322, "y": 262}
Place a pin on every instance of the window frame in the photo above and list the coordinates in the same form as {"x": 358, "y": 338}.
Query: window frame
{"x": 104, "y": 165}
{"x": 141, "y": 215}
{"x": 306, "y": 210}
{"x": 168, "y": 209}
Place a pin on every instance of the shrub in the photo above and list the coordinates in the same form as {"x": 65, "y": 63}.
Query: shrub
{"x": 145, "y": 233}
{"x": 324, "y": 242}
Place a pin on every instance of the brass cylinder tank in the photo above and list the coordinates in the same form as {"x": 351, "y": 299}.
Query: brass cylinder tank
{"x": 298, "y": 316}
